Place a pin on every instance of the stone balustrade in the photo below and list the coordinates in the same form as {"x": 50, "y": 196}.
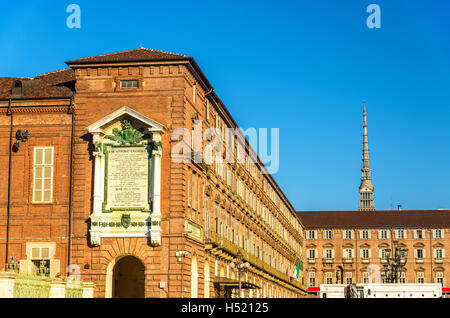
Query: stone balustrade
{"x": 14, "y": 285}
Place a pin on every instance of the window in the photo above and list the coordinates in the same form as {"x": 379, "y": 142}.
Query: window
{"x": 440, "y": 278}
{"x": 383, "y": 234}
{"x": 43, "y": 175}
{"x": 419, "y": 253}
{"x": 365, "y": 277}
{"x": 382, "y": 252}
{"x": 401, "y": 234}
{"x": 207, "y": 110}
{"x": 328, "y": 234}
{"x": 311, "y": 234}
{"x": 420, "y": 277}
{"x": 39, "y": 255}
{"x": 328, "y": 253}
{"x": 312, "y": 254}
{"x": 438, "y": 253}
{"x": 437, "y": 234}
{"x": 348, "y": 234}
{"x": 328, "y": 278}
{"x": 419, "y": 234}
{"x": 349, "y": 278}
{"x": 402, "y": 278}
{"x": 365, "y": 253}
{"x": 312, "y": 279}
{"x": 365, "y": 234}
{"x": 348, "y": 253}
{"x": 129, "y": 84}
{"x": 207, "y": 219}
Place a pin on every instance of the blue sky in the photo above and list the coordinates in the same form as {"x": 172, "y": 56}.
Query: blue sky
{"x": 301, "y": 66}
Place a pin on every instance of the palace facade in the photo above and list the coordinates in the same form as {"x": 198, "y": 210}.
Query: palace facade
{"x": 344, "y": 246}
{"x": 90, "y": 188}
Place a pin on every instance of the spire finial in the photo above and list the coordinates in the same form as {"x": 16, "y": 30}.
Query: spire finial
{"x": 366, "y": 189}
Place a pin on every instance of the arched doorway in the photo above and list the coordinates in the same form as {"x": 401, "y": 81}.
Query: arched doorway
{"x": 128, "y": 278}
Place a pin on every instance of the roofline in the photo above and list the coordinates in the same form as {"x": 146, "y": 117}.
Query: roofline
{"x": 195, "y": 69}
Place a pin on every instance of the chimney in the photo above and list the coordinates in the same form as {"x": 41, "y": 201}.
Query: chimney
{"x": 399, "y": 207}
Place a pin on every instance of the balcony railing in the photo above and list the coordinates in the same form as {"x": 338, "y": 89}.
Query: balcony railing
{"x": 231, "y": 248}
{"x": 347, "y": 260}
{"x": 311, "y": 260}
{"x": 327, "y": 260}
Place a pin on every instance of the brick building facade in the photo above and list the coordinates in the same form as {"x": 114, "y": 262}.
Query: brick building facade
{"x": 340, "y": 246}
{"x": 51, "y": 197}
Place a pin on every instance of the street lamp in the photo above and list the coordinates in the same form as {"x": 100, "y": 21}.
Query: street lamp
{"x": 395, "y": 262}
{"x": 240, "y": 267}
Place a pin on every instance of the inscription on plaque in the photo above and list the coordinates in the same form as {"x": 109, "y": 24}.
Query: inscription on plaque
{"x": 127, "y": 179}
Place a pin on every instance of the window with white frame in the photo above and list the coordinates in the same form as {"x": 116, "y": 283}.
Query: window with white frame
{"x": 311, "y": 234}
{"x": 43, "y": 175}
{"x": 40, "y": 255}
{"x": 312, "y": 279}
{"x": 348, "y": 234}
{"x": 328, "y": 253}
{"x": 328, "y": 278}
{"x": 365, "y": 277}
{"x": 348, "y": 277}
{"x": 420, "y": 277}
{"x": 382, "y": 252}
{"x": 129, "y": 84}
{"x": 311, "y": 253}
{"x": 365, "y": 253}
{"x": 440, "y": 278}
{"x": 348, "y": 253}
{"x": 328, "y": 234}
{"x": 419, "y": 234}
{"x": 438, "y": 253}
{"x": 383, "y": 234}
{"x": 400, "y": 234}
{"x": 438, "y": 233}
{"x": 402, "y": 277}
{"x": 419, "y": 253}
{"x": 365, "y": 234}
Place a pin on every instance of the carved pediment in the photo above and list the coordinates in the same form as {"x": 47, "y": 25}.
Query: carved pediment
{"x": 137, "y": 119}
{"x": 419, "y": 245}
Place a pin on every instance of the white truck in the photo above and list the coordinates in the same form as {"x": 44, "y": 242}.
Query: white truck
{"x": 380, "y": 291}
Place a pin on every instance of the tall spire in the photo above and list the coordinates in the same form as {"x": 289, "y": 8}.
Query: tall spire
{"x": 366, "y": 189}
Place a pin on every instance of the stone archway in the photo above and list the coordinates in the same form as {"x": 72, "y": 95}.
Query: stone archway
{"x": 126, "y": 278}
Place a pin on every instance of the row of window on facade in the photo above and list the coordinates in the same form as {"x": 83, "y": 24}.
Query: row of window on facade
{"x": 253, "y": 169}
{"x": 381, "y": 234}
{"x": 365, "y": 278}
{"x": 257, "y": 205}
{"x": 365, "y": 253}
{"x": 231, "y": 229}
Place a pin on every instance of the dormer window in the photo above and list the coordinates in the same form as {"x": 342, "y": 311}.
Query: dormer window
{"x": 129, "y": 84}
{"x": 17, "y": 89}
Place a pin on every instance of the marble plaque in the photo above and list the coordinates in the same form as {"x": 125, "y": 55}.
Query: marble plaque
{"x": 127, "y": 179}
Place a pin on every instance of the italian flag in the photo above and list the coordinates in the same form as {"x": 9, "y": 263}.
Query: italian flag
{"x": 297, "y": 270}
